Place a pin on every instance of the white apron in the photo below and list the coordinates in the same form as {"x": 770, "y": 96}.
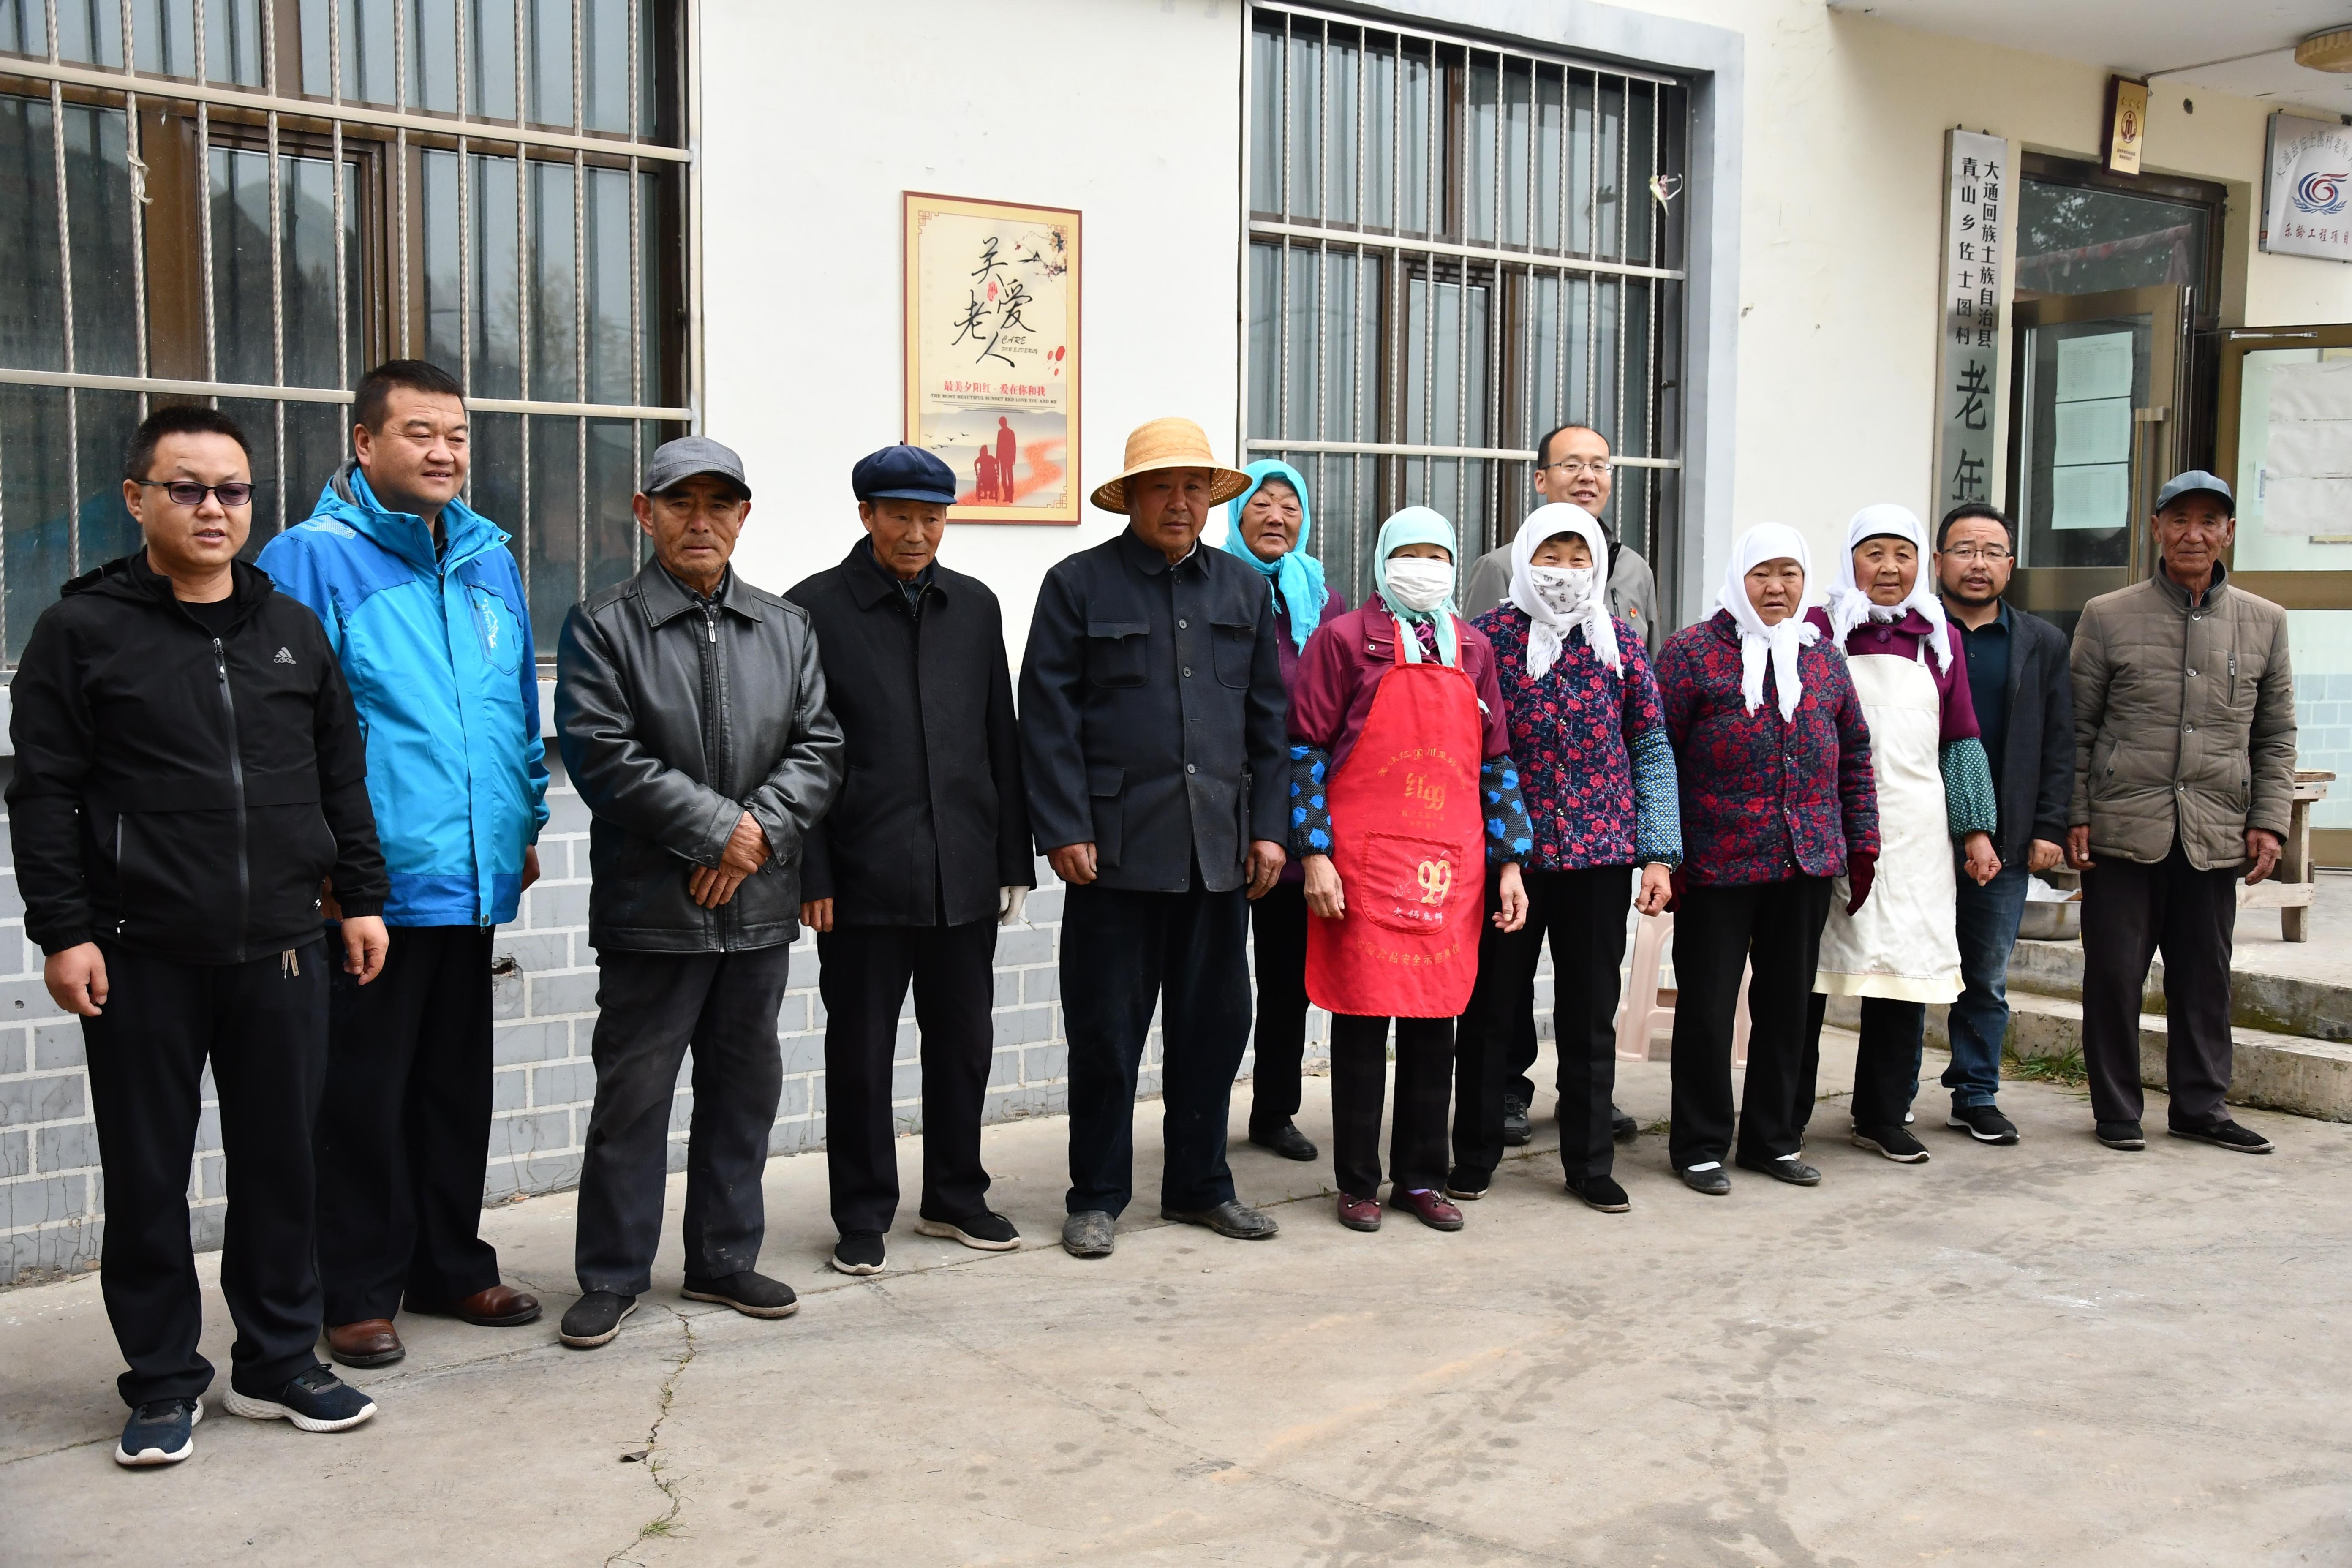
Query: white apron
{"x": 1901, "y": 946}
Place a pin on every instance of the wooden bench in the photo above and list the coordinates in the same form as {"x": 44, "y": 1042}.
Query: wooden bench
{"x": 2294, "y": 886}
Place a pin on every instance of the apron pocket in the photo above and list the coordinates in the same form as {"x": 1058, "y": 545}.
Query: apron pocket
{"x": 1404, "y": 883}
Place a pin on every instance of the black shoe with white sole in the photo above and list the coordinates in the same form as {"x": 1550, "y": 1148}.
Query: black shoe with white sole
{"x": 1786, "y": 1168}
{"x": 859, "y": 1252}
{"x": 2121, "y": 1135}
{"x": 987, "y": 1230}
{"x": 1466, "y": 1186}
{"x": 594, "y": 1319}
{"x": 1983, "y": 1124}
{"x": 1896, "y": 1143}
{"x": 754, "y": 1295}
{"x": 2227, "y": 1136}
{"x": 1708, "y": 1176}
{"x": 157, "y": 1433}
{"x": 317, "y": 1401}
{"x": 1601, "y": 1192}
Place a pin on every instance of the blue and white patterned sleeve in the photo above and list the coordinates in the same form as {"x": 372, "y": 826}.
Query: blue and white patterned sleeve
{"x": 1968, "y": 806}
{"x": 1509, "y": 835}
{"x": 1658, "y": 800}
{"x": 1310, "y": 809}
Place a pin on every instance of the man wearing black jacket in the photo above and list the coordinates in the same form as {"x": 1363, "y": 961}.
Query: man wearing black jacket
{"x": 2024, "y": 697}
{"x": 922, "y": 855}
{"x": 188, "y": 768}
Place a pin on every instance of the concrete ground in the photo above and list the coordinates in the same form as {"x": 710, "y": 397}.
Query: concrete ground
{"x": 2258, "y": 948}
{"x": 2049, "y": 1353}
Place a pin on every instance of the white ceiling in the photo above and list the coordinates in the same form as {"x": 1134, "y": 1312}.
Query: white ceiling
{"x": 2241, "y": 47}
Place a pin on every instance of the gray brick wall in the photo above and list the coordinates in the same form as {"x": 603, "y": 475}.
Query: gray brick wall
{"x": 52, "y": 1193}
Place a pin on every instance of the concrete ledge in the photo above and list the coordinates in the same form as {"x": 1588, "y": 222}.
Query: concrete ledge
{"x": 2276, "y": 1003}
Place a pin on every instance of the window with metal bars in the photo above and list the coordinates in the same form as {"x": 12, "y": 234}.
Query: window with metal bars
{"x": 1454, "y": 247}
{"x": 250, "y": 201}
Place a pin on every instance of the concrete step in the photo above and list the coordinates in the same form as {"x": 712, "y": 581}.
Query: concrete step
{"x": 2271, "y": 1070}
{"x": 2313, "y": 1009}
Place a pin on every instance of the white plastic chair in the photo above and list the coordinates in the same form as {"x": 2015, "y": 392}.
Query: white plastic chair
{"x": 1641, "y": 1019}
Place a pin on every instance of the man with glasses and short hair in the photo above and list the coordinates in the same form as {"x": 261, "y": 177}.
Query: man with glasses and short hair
{"x": 2025, "y": 714}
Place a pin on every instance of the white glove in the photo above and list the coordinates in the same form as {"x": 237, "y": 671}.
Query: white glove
{"x": 1008, "y": 905}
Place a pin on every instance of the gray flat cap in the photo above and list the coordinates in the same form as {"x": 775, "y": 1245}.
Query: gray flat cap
{"x": 691, "y": 454}
{"x": 2197, "y": 481}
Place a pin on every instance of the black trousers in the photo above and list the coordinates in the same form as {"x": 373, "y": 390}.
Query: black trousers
{"x": 2130, "y": 913}
{"x": 1278, "y": 926}
{"x": 1583, "y": 914}
{"x": 1776, "y": 927}
{"x": 1424, "y": 1072}
{"x": 1123, "y": 954}
{"x": 650, "y": 1008}
{"x": 866, "y": 974}
{"x": 264, "y": 1026}
{"x": 1889, "y": 1044}
{"x": 404, "y": 1131}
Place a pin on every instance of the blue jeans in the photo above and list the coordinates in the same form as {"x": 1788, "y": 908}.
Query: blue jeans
{"x": 1986, "y": 919}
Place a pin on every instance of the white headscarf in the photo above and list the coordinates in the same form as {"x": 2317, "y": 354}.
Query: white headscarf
{"x": 1768, "y": 542}
{"x": 1849, "y": 606}
{"x": 1549, "y": 628}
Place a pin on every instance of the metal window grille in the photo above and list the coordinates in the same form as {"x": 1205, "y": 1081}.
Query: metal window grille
{"x": 247, "y": 203}
{"x": 1455, "y": 246}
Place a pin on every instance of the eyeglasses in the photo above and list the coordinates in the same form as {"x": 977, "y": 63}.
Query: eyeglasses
{"x": 188, "y": 493}
{"x": 1598, "y": 467}
{"x": 1991, "y": 555}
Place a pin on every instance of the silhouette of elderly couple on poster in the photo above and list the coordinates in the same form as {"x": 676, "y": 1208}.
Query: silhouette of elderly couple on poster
{"x": 995, "y": 469}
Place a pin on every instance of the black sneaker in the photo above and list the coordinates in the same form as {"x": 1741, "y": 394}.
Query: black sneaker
{"x": 1785, "y": 1168}
{"x": 1286, "y": 1141}
{"x": 1896, "y": 1143}
{"x": 1622, "y": 1127}
{"x": 859, "y": 1252}
{"x": 987, "y": 1230}
{"x": 754, "y": 1295}
{"x": 1601, "y": 1192}
{"x": 2227, "y": 1136}
{"x": 1708, "y": 1176}
{"x": 1983, "y": 1124}
{"x": 317, "y": 1401}
{"x": 594, "y": 1319}
{"x": 157, "y": 1433}
{"x": 2121, "y": 1135}
{"x": 1515, "y": 1128}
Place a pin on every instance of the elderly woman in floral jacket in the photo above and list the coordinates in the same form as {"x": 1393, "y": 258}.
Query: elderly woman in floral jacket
{"x": 1597, "y": 771}
{"x": 1773, "y": 758}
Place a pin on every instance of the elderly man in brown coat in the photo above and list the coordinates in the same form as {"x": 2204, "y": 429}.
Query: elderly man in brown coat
{"x": 2184, "y": 777}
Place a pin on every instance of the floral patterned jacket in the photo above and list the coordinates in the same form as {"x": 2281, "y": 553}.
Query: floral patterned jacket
{"x": 1763, "y": 799}
{"x": 1595, "y": 765}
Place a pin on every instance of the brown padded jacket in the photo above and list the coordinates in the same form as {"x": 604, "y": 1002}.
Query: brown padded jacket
{"x": 2184, "y": 721}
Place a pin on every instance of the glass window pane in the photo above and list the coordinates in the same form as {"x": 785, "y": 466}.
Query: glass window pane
{"x": 1306, "y": 120}
{"x": 490, "y": 74}
{"x": 1479, "y": 119}
{"x": 318, "y": 439}
{"x": 36, "y": 496}
{"x": 163, "y": 36}
{"x": 432, "y": 55}
{"x": 1420, "y": 86}
{"x": 1518, "y": 116}
{"x": 554, "y": 331}
{"x": 90, "y": 32}
{"x": 2073, "y": 240}
{"x": 1611, "y": 199}
{"x": 439, "y": 246}
{"x": 232, "y": 50}
{"x": 104, "y": 421}
{"x": 1342, "y": 59}
{"x": 612, "y": 528}
{"x": 1264, "y": 352}
{"x": 1298, "y": 332}
{"x": 550, "y": 61}
{"x": 1379, "y": 133}
{"x": 555, "y": 538}
{"x": 368, "y": 50}
{"x": 1266, "y": 116}
{"x": 243, "y": 342}
{"x": 1549, "y": 111}
{"x": 494, "y": 474}
{"x": 2319, "y": 644}
{"x": 306, "y": 200}
{"x": 604, "y": 66}
{"x": 257, "y": 419}
{"x": 32, "y": 314}
{"x": 98, "y": 188}
{"x": 607, "y": 218}
{"x": 498, "y": 282}
{"x": 651, "y": 322}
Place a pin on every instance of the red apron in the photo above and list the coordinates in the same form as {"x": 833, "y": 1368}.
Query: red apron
{"x": 1409, "y": 843}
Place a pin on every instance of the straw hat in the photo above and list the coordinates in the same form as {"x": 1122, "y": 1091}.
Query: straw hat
{"x": 1170, "y": 444}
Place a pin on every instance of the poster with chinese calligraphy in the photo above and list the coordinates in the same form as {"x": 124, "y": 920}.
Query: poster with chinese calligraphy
{"x": 991, "y": 299}
{"x": 2307, "y": 198}
{"x": 1972, "y": 320}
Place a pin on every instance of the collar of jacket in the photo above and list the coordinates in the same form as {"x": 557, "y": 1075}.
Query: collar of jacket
{"x": 129, "y": 578}
{"x": 665, "y": 598}
{"x": 348, "y": 499}
{"x": 2179, "y": 595}
{"x": 870, "y": 582}
{"x": 1148, "y": 559}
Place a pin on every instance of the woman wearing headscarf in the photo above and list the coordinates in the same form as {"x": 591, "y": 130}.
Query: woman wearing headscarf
{"x": 1597, "y": 771}
{"x": 1402, "y": 791}
{"x": 1772, "y": 757}
{"x": 1267, "y": 527}
{"x": 1934, "y": 789}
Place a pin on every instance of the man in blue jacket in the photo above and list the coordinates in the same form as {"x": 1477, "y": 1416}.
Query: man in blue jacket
{"x": 425, "y": 608}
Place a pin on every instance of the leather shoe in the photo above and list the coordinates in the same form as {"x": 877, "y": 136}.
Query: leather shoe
{"x": 1429, "y": 1207}
{"x": 1228, "y": 1218}
{"x": 372, "y": 1342}
{"x": 1286, "y": 1141}
{"x": 1089, "y": 1233}
{"x": 1622, "y": 1127}
{"x": 1360, "y": 1214}
{"x": 1786, "y": 1168}
{"x": 500, "y": 1307}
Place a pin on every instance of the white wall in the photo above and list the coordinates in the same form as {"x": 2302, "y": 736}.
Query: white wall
{"x": 814, "y": 117}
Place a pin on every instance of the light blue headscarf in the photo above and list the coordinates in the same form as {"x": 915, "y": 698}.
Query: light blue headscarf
{"x": 1417, "y": 525}
{"x": 1297, "y": 577}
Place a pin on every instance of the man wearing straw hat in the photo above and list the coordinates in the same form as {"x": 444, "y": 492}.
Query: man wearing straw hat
{"x": 1158, "y": 776}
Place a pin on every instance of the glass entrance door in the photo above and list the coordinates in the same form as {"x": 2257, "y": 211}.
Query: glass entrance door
{"x": 2095, "y": 428}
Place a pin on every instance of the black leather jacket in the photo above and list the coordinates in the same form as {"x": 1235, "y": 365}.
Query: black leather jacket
{"x": 675, "y": 716}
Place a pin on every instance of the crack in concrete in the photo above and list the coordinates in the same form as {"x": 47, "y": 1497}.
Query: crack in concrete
{"x": 666, "y": 1522}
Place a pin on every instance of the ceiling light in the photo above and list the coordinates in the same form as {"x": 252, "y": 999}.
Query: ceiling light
{"x": 2327, "y": 51}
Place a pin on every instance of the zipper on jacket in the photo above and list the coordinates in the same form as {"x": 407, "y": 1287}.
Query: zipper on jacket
{"x": 236, "y": 782}
{"x": 710, "y": 739}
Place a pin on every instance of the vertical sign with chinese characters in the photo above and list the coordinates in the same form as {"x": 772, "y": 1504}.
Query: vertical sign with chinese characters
{"x": 1973, "y": 312}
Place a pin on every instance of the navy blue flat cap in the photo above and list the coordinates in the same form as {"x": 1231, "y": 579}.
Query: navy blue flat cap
{"x": 903, "y": 473}
{"x": 2189, "y": 483}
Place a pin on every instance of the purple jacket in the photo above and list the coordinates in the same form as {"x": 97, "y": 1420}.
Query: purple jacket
{"x": 1764, "y": 800}
{"x": 1903, "y": 638}
{"x": 1342, "y": 667}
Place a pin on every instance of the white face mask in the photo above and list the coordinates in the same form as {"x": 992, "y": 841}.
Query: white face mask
{"x": 1562, "y": 589}
{"x": 1420, "y": 584}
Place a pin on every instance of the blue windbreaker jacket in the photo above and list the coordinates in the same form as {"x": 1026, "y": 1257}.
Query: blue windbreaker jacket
{"x": 438, "y": 657}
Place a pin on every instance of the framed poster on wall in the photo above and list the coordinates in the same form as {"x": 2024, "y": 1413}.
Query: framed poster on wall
{"x": 992, "y": 359}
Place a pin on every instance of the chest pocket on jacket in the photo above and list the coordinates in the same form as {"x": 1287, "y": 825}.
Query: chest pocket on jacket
{"x": 1114, "y": 652}
{"x": 1236, "y": 645}
{"x": 495, "y": 623}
